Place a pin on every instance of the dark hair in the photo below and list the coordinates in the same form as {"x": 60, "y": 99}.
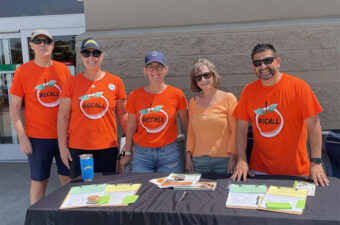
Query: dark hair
{"x": 196, "y": 69}
{"x": 261, "y": 47}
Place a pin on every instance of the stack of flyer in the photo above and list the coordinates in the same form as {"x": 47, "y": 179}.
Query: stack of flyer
{"x": 184, "y": 182}
{"x": 277, "y": 199}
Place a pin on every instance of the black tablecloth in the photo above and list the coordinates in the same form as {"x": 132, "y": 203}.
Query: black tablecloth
{"x": 161, "y": 206}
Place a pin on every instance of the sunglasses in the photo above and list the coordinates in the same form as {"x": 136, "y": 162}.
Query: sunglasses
{"x": 38, "y": 41}
{"x": 95, "y": 53}
{"x": 266, "y": 61}
{"x": 206, "y": 76}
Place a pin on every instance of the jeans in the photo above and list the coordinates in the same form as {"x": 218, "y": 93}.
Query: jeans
{"x": 166, "y": 159}
{"x": 207, "y": 164}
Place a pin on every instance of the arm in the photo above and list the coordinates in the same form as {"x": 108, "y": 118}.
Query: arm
{"x": 62, "y": 127}
{"x": 131, "y": 129}
{"x": 121, "y": 113}
{"x": 190, "y": 143}
{"x": 315, "y": 142}
{"x": 15, "y": 115}
{"x": 183, "y": 117}
{"x": 242, "y": 167}
{"x": 231, "y": 144}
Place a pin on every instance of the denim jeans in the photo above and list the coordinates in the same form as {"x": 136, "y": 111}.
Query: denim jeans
{"x": 166, "y": 159}
{"x": 207, "y": 164}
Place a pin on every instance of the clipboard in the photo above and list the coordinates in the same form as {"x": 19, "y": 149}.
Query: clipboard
{"x": 110, "y": 195}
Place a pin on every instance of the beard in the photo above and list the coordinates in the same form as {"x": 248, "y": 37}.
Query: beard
{"x": 265, "y": 74}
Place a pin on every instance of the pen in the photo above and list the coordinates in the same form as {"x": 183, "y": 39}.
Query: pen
{"x": 257, "y": 199}
{"x": 183, "y": 196}
{"x": 229, "y": 184}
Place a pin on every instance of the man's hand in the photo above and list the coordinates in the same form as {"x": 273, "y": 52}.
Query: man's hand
{"x": 65, "y": 156}
{"x": 241, "y": 170}
{"x": 318, "y": 175}
{"x": 25, "y": 145}
{"x": 232, "y": 164}
{"x": 189, "y": 168}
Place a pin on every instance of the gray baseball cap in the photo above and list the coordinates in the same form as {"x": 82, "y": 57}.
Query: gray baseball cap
{"x": 41, "y": 32}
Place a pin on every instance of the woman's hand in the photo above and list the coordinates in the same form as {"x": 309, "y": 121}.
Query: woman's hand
{"x": 65, "y": 156}
{"x": 123, "y": 162}
{"x": 189, "y": 168}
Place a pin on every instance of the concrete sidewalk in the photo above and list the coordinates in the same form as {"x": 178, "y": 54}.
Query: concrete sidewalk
{"x": 14, "y": 191}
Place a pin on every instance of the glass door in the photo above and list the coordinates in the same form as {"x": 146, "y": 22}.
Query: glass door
{"x": 10, "y": 58}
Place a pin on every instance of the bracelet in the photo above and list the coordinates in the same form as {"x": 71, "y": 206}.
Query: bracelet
{"x": 124, "y": 153}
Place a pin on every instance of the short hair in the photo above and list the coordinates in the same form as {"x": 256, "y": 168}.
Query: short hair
{"x": 196, "y": 69}
{"x": 261, "y": 47}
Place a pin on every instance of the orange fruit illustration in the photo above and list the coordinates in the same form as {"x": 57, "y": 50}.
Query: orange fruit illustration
{"x": 94, "y": 106}
{"x": 154, "y": 119}
{"x": 269, "y": 121}
{"x": 48, "y": 93}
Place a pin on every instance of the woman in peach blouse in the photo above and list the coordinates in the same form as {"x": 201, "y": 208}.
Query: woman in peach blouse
{"x": 210, "y": 144}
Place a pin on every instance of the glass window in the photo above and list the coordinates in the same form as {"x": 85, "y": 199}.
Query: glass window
{"x": 16, "y": 8}
{"x": 64, "y": 50}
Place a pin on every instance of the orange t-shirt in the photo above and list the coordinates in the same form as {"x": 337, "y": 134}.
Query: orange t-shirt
{"x": 156, "y": 115}
{"x": 40, "y": 87}
{"x": 93, "y": 123}
{"x": 278, "y": 114}
{"x": 209, "y": 131}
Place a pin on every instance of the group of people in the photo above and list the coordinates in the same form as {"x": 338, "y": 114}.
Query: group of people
{"x": 66, "y": 116}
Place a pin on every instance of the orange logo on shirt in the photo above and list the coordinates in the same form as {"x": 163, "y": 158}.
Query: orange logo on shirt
{"x": 269, "y": 121}
{"x": 154, "y": 119}
{"x": 94, "y": 106}
{"x": 48, "y": 93}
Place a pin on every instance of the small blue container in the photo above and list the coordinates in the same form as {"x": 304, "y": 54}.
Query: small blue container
{"x": 86, "y": 166}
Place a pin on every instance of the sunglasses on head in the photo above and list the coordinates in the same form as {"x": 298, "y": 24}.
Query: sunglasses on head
{"x": 206, "y": 75}
{"x": 266, "y": 61}
{"x": 38, "y": 41}
{"x": 94, "y": 53}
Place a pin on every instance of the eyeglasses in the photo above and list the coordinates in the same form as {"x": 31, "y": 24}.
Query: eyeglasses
{"x": 38, "y": 41}
{"x": 155, "y": 68}
{"x": 266, "y": 61}
{"x": 206, "y": 76}
{"x": 95, "y": 53}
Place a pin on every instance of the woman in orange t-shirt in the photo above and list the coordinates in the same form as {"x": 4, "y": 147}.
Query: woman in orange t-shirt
{"x": 152, "y": 122}
{"x": 211, "y": 131}
{"x": 86, "y": 117}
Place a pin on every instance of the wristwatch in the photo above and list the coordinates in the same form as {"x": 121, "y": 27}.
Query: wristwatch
{"x": 316, "y": 160}
{"x": 124, "y": 153}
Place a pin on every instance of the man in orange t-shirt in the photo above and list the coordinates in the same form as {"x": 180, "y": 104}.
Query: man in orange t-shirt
{"x": 39, "y": 82}
{"x": 281, "y": 109}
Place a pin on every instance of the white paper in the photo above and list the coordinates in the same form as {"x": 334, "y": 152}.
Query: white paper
{"x": 278, "y": 198}
{"x": 122, "y": 144}
{"x": 310, "y": 187}
{"x": 118, "y": 197}
{"x": 78, "y": 200}
{"x": 247, "y": 200}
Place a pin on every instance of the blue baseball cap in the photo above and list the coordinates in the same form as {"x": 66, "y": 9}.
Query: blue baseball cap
{"x": 155, "y": 56}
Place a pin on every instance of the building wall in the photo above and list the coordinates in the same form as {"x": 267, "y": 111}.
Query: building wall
{"x": 122, "y": 14}
{"x": 305, "y": 33}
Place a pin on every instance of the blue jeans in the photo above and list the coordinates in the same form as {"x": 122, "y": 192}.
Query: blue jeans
{"x": 207, "y": 164}
{"x": 166, "y": 159}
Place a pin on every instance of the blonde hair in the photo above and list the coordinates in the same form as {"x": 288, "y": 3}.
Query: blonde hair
{"x": 197, "y": 69}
